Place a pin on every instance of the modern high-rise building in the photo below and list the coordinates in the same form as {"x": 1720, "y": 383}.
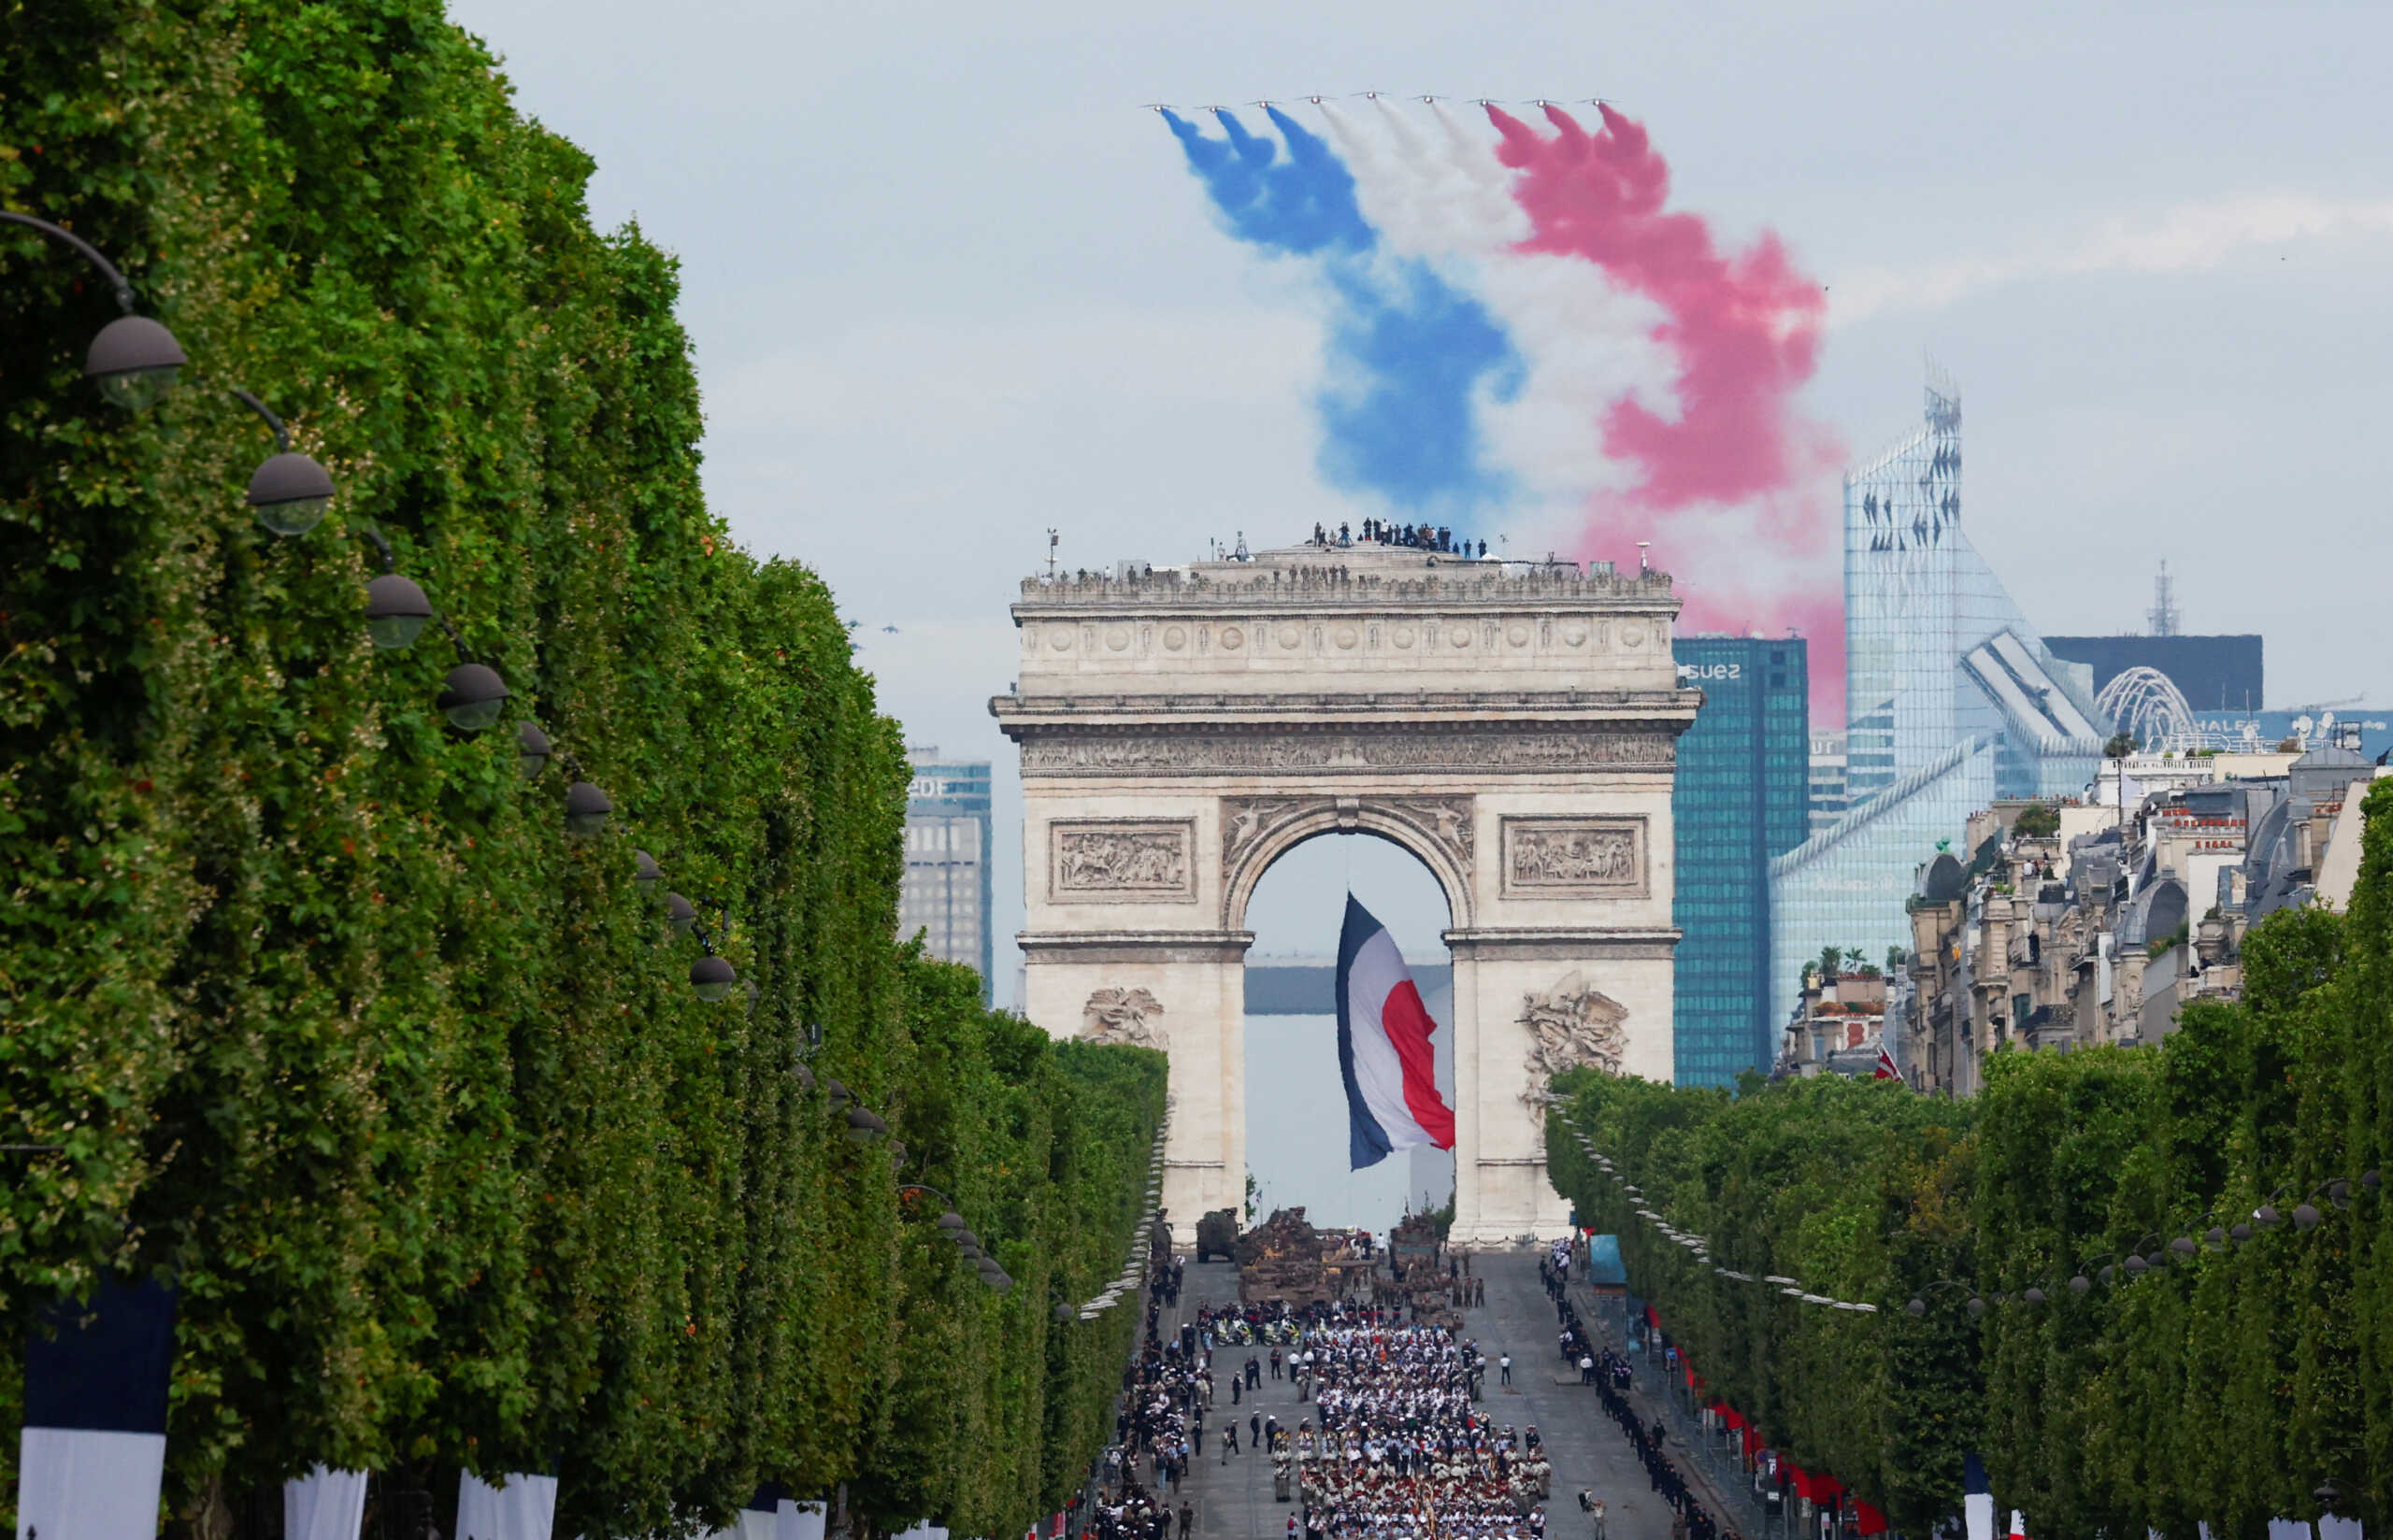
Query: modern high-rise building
{"x": 947, "y": 892}
{"x": 1828, "y": 793}
{"x": 1951, "y": 700}
{"x": 1742, "y": 795}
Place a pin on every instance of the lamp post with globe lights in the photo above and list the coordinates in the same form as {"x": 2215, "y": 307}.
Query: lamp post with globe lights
{"x": 134, "y": 359}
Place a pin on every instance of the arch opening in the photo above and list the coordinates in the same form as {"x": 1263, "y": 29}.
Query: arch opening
{"x": 1415, "y": 831}
{"x": 1295, "y": 1109}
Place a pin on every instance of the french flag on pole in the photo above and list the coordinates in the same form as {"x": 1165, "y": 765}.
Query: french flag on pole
{"x": 1384, "y": 1030}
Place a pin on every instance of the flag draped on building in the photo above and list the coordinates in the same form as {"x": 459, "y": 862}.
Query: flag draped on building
{"x": 1384, "y": 1050}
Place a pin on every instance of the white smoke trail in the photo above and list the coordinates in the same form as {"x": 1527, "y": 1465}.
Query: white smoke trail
{"x": 1410, "y": 198}
{"x": 1442, "y": 197}
{"x": 1586, "y": 342}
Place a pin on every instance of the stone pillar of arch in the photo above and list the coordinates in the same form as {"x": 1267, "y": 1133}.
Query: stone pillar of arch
{"x": 1513, "y": 727}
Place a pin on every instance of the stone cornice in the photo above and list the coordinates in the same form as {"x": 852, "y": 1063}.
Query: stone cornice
{"x": 1522, "y": 746}
{"x": 1567, "y": 944}
{"x": 1136, "y": 945}
{"x": 1377, "y": 705}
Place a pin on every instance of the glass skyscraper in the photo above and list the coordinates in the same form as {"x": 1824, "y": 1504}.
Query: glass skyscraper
{"x": 1951, "y": 700}
{"x": 1742, "y": 795}
{"x": 947, "y": 891}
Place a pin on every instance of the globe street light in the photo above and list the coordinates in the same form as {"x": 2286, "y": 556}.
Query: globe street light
{"x": 952, "y": 1225}
{"x": 395, "y": 611}
{"x": 712, "y": 978}
{"x": 472, "y": 696}
{"x": 585, "y": 810}
{"x": 289, "y": 491}
{"x": 531, "y": 750}
{"x": 133, "y": 360}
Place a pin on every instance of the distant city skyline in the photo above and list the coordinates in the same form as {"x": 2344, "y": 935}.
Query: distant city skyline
{"x": 947, "y": 291}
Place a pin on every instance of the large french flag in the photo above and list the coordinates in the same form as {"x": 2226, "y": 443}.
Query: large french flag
{"x": 1384, "y": 1030}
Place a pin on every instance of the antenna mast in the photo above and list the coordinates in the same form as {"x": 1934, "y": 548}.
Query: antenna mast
{"x": 2162, "y": 617}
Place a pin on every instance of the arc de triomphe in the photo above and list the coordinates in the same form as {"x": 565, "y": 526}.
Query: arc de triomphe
{"x": 1515, "y": 727}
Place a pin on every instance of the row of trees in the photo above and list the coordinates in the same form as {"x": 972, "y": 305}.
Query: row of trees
{"x": 330, "y": 1020}
{"x": 2244, "y": 1381}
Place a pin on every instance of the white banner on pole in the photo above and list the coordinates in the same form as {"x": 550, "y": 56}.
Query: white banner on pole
{"x": 82, "y": 1483}
{"x": 323, "y": 1504}
{"x": 523, "y": 1510}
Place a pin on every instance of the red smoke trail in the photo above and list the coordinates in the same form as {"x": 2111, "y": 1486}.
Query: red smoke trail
{"x": 1745, "y": 331}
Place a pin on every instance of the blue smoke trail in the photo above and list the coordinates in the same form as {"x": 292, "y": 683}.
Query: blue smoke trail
{"x": 1408, "y": 353}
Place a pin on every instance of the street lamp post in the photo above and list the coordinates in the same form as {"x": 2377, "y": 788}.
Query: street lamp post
{"x": 134, "y": 359}
{"x": 289, "y": 491}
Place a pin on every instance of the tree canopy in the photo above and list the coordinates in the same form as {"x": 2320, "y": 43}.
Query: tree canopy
{"x": 2226, "y": 1381}
{"x": 402, "y": 1086}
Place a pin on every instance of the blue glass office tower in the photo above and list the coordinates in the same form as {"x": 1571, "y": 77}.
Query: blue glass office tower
{"x": 1742, "y": 795}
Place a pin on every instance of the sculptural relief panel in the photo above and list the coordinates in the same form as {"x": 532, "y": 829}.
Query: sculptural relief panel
{"x": 1123, "y": 1016}
{"x": 1575, "y": 858}
{"x": 1122, "y": 861}
{"x": 1571, "y": 1026}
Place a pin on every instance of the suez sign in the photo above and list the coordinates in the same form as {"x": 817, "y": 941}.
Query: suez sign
{"x": 1710, "y": 671}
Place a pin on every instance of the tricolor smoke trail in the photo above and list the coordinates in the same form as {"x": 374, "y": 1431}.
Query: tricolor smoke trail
{"x": 1520, "y": 327}
{"x": 1409, "y": 354}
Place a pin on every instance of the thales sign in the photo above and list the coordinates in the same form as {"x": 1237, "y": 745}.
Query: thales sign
{"x": 1710, "y": 671}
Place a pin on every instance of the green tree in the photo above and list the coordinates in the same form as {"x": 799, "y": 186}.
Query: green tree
{"x": 401, "y": 1083}
{"x": 2226, "y": 1383}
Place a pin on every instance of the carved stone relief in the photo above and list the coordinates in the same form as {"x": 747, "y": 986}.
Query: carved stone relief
{"x": 1122, "y": 862}
{"x": 1575, "y": 858}
{"x": 1123, "y": 1016}
{"x": 1207, "y": 753}
{"x": 1444, "y": 823}
{"x": 1571, "y": 1024}
{"x": 1246, "y": 820}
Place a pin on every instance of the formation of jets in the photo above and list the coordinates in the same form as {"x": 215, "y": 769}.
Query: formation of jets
{"x": 1267, "y": 102}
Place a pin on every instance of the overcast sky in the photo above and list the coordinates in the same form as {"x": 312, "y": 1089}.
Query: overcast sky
{"x": 949, "y": 285}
